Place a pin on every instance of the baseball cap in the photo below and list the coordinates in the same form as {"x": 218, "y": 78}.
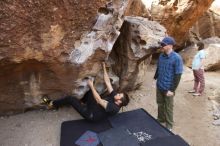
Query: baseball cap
{"x": 167, "y": 41}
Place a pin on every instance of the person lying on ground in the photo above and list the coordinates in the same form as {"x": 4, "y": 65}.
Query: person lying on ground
{"x": 92, "y": 106}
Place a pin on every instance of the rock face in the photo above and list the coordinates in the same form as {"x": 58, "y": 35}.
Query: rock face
{"x": 132, "y": 51}
{"x": 137, "y": 8}
{"x": 187, "y": 54}
{"x": 178, "y": 16}
{"x": 49, "y": 47}
{"x": 35, "y": 42}
{"x": 212, "y": 49}
{"x": 206, "y": 27}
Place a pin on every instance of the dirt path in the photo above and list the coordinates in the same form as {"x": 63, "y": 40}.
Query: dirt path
{"x": 192, "y": 115}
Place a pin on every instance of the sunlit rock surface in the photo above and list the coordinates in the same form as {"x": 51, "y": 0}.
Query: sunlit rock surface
{"x": 178, "y": 16}
{"x": 208, "y": 25}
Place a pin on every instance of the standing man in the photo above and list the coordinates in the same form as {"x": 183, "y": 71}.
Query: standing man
{"x": 168, "y": 74}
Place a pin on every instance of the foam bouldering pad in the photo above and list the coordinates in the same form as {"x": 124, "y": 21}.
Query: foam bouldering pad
{"x": 141, "y": 124}
{"x": 173, "y": 140}
{"x": 71, "y": 131}
{"x": 118, "y": 137}
{"x": 131, "y": 128}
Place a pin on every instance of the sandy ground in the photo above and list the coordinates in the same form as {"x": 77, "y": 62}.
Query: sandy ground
{"x": 192, "y": 115}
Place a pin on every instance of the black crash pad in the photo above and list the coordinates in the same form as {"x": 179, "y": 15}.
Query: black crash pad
{"x": 118, "y": 137}
{"x": 136, "y": 124}
{"x": 141, "y": 124}
{"x": 71, "y": 131}
{"x": 173, "y": 140}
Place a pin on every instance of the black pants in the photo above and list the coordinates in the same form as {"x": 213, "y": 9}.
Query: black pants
{"x": 85, "y": 110}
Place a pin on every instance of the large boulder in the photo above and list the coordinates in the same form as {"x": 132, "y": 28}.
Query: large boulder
{"x": 212, "y": 61}
{"x": 207, "y": 26}
{"x": 188, "y": 54}
{"x": 132, "y": 51}
{"x": 37, "y": 38}
{"x": 51, "y": 47}
{"x": 179, "y": 16}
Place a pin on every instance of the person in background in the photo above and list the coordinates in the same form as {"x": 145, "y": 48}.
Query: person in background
{"x": 198, "y": 71}
{"x": 168, "y": 75}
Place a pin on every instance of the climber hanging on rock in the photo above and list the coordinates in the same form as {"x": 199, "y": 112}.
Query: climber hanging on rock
{"x": 92, "y": 106}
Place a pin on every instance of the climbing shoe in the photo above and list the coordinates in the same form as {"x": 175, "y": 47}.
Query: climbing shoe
{"x": 47, "y": 101}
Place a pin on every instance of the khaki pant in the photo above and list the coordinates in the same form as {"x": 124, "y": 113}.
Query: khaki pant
{"x": 165, "y": 108}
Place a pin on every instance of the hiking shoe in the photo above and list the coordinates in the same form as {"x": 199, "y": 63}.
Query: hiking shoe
{"x": 196, "y": 94}
{"x": 192, "y": 91}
